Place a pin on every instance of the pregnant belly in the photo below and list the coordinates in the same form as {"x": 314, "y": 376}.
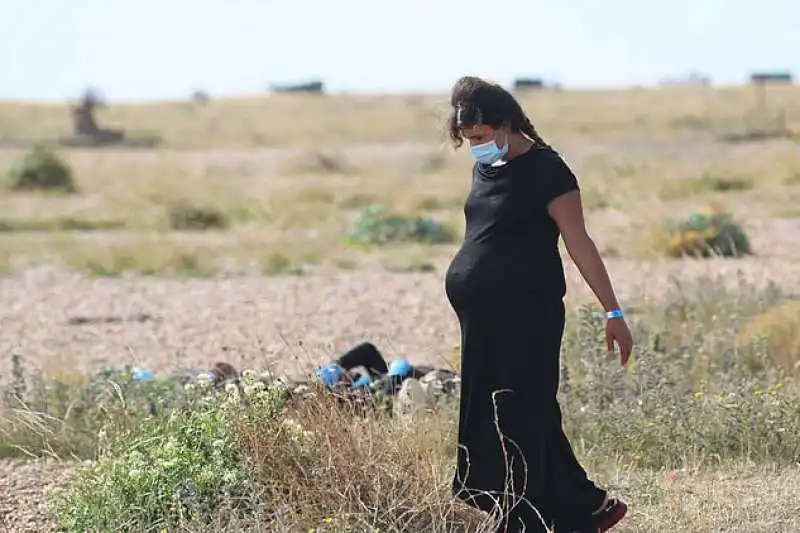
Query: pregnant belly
{"x": 480, "y": 272}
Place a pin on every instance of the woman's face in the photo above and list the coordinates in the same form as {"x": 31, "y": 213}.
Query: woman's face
{"x": 481, "y": 134}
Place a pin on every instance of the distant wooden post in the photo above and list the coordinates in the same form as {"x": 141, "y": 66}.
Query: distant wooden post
{"x": 86, "y": 131}
{"x": 83, "y": 119}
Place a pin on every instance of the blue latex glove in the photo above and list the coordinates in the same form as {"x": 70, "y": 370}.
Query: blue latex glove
{"x": 401, "y": 368}
{"x": 142, "y": 374}
{"x": 329, "y": 374}
{"x": 363, "y": 381}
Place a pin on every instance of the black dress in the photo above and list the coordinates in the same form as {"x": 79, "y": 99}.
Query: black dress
{"x": 506, "y": 285}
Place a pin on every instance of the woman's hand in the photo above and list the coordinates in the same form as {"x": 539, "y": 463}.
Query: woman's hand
{"x": 617, "y": 331}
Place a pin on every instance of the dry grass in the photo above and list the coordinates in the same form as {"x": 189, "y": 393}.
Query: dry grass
{"x": 289, "y": 174}
{"x": 779, "y": 327}
{"x": 637, "y": 154}
{"x": 736, "y": 499}
{"x": 272, "y": 207}
{"x": 311, "y": 121}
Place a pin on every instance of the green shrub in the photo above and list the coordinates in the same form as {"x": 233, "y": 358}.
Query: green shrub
{"x": 186, "y": 216}
{"x": 40, "y": 169}
{"x": 172, "y": 470}
{"x": 713, "y": 233}
{"x": 376, "y": 225}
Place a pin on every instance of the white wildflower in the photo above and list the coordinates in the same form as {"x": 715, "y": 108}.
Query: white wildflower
{"x": 249, "y": 376}
{"x": 254, "y": 388}
{"x": 205, "y": 380}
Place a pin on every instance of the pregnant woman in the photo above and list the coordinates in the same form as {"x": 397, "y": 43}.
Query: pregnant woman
{"x": 506, "y": 285}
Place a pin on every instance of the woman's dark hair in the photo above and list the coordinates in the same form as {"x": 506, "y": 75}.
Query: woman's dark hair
{"x": 478, "y": 102}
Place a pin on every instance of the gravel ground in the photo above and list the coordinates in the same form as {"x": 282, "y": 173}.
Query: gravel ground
{"x": 280, "y": 322}
{"x": 286, "y": 323}
{"x": 22, "y": 487}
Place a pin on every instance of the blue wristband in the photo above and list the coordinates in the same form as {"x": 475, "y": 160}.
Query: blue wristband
{"x": 615, "y": 313}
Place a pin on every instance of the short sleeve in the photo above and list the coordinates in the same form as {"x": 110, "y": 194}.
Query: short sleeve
{"x": 554, "y": 177}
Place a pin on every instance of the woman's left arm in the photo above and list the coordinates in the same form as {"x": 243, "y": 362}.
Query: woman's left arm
{"x": 567, "y": 211}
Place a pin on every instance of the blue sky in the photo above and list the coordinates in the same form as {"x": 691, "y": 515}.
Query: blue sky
{"x": 153, "y": 49}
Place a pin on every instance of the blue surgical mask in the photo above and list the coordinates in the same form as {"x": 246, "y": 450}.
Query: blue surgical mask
{"x": 489, "y": 153}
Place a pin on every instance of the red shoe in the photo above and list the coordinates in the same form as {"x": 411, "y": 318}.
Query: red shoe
{"x": 609, "y": 517}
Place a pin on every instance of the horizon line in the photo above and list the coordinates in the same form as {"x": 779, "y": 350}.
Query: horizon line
{"x": 378, "y": 93}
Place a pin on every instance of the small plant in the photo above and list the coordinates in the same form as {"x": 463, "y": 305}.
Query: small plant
{"x": 40, "y": 169}
{"x": 186, "y": 216}
{"x": 346, "y": 263}
{"x": 777, "y": 331}
{"x": 278, "y": 263}
{"x": 727, "y": 184}
{"x": 412, "y": 266}
{"x": 707, "y": 183}
{"x": 376, "y": 225}
{"x": 437, "y": 203}
{"x": 357, "y": 200}
{"x": 793, "y": 178}
{"x": 713, "y": 233}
